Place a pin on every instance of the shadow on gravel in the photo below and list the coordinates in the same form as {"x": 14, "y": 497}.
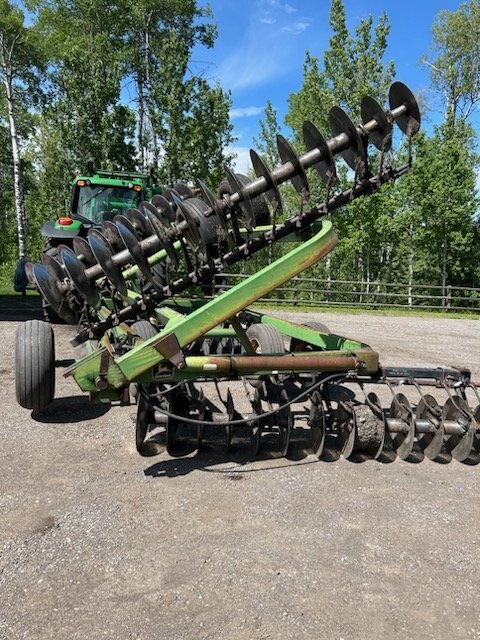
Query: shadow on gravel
{"x": 18, "y": 308}
{"x": 173, "y": 467}
{"x": 71, "y": 409}
{"x": 205, "y": 460}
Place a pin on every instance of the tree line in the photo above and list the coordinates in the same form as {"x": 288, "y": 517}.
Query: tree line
{"x": 115, "y": 82}
{"x": 425, "y": 228}
{"x": 106, "y": 81}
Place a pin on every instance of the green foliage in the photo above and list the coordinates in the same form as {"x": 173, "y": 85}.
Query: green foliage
{"x": 266, "y": 143}
{"x": 183, "y": 122}
{"x": 455, "y": 70}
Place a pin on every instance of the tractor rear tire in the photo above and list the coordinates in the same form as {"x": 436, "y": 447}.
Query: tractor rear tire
{"x": 35, "y": 365}
{"x": 260, "y": 209}
{"x": 49, "y": 315}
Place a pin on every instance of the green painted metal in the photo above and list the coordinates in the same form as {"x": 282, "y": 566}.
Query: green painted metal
{"x": 328, "y": 341}
{"x": 200, "y": 321}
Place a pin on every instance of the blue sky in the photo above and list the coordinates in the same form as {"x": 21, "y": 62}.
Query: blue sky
{"x": 261, "y": 47}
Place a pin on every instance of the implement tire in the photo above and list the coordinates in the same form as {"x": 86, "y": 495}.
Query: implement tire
{"x": 35, "y": 365}
{"x": 265, "y": 339}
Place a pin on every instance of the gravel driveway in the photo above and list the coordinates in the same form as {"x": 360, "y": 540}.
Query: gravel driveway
{"x": 97, "y": 542}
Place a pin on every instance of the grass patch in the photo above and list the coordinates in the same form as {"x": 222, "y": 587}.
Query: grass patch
{"x": 416, "y": 312}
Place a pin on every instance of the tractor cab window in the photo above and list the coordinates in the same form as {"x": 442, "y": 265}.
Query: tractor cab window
{"x": 99, "y": 203}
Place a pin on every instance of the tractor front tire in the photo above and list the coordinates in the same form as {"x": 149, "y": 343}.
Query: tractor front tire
{"x": 35, "y": 365}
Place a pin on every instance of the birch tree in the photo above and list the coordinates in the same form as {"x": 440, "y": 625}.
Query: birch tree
{"x": 17, "y": 73}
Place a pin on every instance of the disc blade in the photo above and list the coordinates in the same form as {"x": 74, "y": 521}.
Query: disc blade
{"x": 476, "y": 440}
{"x": 430, "y": 443}
{"x": 53, "y": 266}
{"x": 287, "y": 154}
{"x": 83, "y": 251}
{"x": 164, "y": 209}
{"x": 213, "y": 203}
{"x": 163, "y": 235}
{"x": 316, "y": 421}
{"x": 139, "y": 222}
{"x": 314, "y": 140}
{"x": 381, "y": 136}
{"x": 346, "y": 429}
{"x": 262, "y": 171}
{"x": 76, "y": 271}
{"x": 401, "y": 96}
{"x": 245, "y": 205}
{"x": 110, "y": 231}
{"x": 460, "y": 447}
{"x": 133, "y": 246}
{"x": 191, "y": 234}
{"x": 103, "y": 253}
{"x": 29, "y": 272}
{"x": 354, "y": 155}
{"x": 47, "y": 285}
{"x": 403, "y": 442}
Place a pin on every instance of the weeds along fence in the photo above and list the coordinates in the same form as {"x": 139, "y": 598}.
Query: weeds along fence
{"x": 315, "y": 292}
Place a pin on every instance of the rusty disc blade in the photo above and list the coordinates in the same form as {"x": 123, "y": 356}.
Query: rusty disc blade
{"x": 346, "y": 429}
{"x": 163, "y": 235}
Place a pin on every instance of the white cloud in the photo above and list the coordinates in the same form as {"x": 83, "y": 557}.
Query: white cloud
{"x": 264, "y": 52}
{"x": 245, "y": 112}
{"x": 242, "y": 163}
{"x": 297, "y": 27}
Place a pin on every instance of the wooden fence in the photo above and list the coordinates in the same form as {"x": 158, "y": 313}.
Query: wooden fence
{"x": 314, "y": 292}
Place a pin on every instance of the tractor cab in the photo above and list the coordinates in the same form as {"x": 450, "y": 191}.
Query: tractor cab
{"x": 99, "y": 199}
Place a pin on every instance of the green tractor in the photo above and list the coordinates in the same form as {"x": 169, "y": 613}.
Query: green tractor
{"x": 97, "y": 197}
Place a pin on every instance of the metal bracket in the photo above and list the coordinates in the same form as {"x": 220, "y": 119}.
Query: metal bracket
{"x": 170, "y": 349}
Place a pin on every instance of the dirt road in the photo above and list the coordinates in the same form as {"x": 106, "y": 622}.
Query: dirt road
{"x": 97, "y": 542}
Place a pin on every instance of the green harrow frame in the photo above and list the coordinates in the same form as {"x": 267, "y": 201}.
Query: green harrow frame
{"x": 146, "y": 335}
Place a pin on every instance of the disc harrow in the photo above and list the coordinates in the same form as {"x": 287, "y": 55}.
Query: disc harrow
{"x": 158, "y": 323}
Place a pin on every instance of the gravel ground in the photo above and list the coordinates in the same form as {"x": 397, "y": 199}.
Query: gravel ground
{"x": 97, "y": 542}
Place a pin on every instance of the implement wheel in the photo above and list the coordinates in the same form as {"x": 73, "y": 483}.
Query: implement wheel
{"x": 264, "y": 338}
{"x": 35, "y": 365}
